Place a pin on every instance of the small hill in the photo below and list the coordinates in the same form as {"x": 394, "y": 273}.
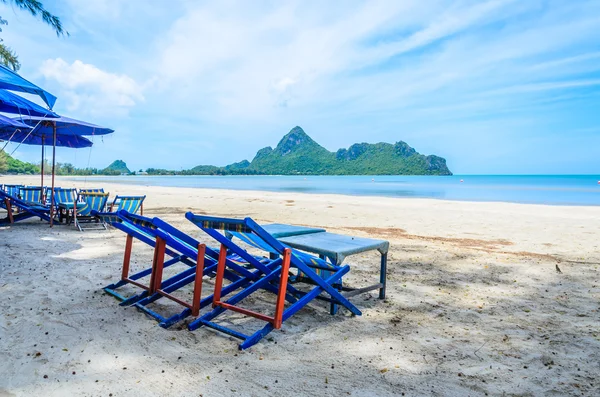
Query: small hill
{"x": 205, "y": 169}
{"x": 242, "y": 165}
{"x": 11, "y": 165}
{"x": 117, "y": 167}
{"x": 297, "y": 153}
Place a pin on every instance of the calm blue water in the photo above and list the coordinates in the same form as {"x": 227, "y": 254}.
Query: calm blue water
{"x": 544, "y": 189}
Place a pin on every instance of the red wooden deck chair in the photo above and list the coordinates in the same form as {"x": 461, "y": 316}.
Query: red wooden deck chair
{"x": 171, "y": 246}
{"x": 275, "y": 275}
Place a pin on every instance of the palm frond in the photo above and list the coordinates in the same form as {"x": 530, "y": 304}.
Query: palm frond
{"x": 36, "y": 8}
{"x": 8, "y": 58}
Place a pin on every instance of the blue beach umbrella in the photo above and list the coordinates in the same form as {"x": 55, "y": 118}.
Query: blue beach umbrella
{"x": 10, "y": 80}
{"x": 27, "y": 137}
{"x": 13, "y": 103}
{"x": 64, "y": 126}
{"x": 64, "y": 129}
{"x": 6, "y": 123}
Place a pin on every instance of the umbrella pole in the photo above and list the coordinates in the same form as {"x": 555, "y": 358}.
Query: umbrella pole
{"x": 53, "y": 166}
{"x": 42, "y": 167}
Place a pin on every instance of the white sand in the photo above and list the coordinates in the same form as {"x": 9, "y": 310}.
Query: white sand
{"x": 475, "y": 305}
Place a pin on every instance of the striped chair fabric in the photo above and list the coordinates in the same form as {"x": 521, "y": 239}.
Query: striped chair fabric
{"x": 131, "y": 204}
{"x": 92, "y": 202}
{"x": 31, "y": 194}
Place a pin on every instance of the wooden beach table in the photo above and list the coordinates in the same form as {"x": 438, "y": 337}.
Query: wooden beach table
{"x": 281, "y": 230}
{"x": 336, "y": 248}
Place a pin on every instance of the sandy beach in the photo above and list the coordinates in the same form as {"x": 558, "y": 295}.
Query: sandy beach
{"x": 483, "y": 299}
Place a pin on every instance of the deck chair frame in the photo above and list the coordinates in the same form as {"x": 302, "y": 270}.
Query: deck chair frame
{"x": 31, "y": 194}
{"x": 63, "y": 199}
{"x": 93, "y": 202}
{"x": 131, "y": 204}
{"x": 168, "y": 241}
{"x": 245, "y": 229}
{"x": 26, "y": 210}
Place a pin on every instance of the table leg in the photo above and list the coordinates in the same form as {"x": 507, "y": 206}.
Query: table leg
{"x": 383, "y": 275}
{"x": 333, "y": 307}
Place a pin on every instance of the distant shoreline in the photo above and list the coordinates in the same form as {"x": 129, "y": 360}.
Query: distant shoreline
{"x": 122, "y": 185}
{"x": 562, "y": 190}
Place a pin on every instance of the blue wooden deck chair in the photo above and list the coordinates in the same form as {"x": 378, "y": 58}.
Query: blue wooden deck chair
{"x": 83, "y": 213}
{"x": 88, "y": 190}
{"x": 131, "y": 204}
{"x": 26, "y": 210}
{"x": 180, "y": 247}
{"x": 13, "y": 190}
{"x": 48, "y": 194}
{"x": 139, "y": 228}
{"x": 31, "y": 194}
{"x": 253, "y": 234}
{"x": 91, "y": 190}
{"x": 5, "y": 189}
{"x": 64, "y": 203}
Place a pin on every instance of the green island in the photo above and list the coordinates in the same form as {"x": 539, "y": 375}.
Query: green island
{"x": 295, "y": 154}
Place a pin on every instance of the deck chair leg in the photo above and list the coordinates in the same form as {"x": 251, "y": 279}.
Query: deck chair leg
{"x": 157, "y": 265}
{"x": 198, "y": 280}
{"x": 220, "y": 274}
{"x": 9, "y": 211}
{"x": 285, "y": 267}
{"x": 127, "y": 257}
{"x": 75, "y": 216}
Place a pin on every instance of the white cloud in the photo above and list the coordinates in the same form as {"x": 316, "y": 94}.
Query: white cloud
{"x": 249, "y": 62}
{"x": 88, "y": 89}
{"x": 244, "y": 59}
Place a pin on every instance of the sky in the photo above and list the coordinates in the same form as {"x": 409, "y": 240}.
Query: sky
{"x": 495, "y": 87}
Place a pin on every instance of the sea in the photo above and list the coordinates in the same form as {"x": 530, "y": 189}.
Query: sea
{"x": 531, "y": 189}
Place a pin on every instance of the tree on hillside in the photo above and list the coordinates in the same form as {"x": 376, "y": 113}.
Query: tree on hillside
{"x": 67, "y": 168}
{"x": 35, "y": 8}
{"x": 3, "y": 162}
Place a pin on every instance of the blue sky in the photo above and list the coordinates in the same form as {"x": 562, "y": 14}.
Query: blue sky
{"x": 501, "y": 86}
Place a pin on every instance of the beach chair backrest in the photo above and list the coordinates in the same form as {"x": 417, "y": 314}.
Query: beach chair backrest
{"x": 246, "y": 230}
{"x": 12, "y": 190}
{"x": 27, "y": 209}
{"x": 251, "y": 233}
{"x": 138, "y": 220}
{"x": 92, "y": 202}
{"x": 178, "y": 240}
{"x": 141, "y": 229}
{"x": 125, "y": 225}
{"x": 31, "y": 194}
{"x": 157, "y": 228}
{"x": 64, "y": 196}
{"x": 91, "y": 190}
{"x": 48, "y": 190}
{"x": 15, "y": 200}
{"x": 131, "y": 204}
